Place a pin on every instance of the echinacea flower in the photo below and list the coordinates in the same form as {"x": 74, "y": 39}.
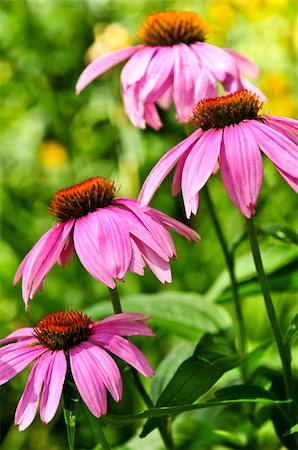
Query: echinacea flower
{"x": 231, "y": 133}
{"x": 173, "y": 64}
{"x": 70, "y": 341}
{"x": 111, "y": 236}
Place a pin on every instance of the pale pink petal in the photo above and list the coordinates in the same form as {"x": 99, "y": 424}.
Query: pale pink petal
{"x": 165, "y": 100}
{"x": 205, "y": 86}
{"x": 164, "y": 166}
{"x": 102, "y": 64}
{"x": 220, "y": 64}
{"x": 159, "y": 266}
{"x": 128, "y": 352}
{"x": 244, "y": 64}
{"x": 21, "y": 333}
{"x": 283, "y": 152}
{"x": 106, "y": 368}
{"x": 15, "y": 361}
{"x": 179, "y": 227}
{"x": 253, "y": 89}
{"x": 136, "y": 229}
{"x": 158, "y": 75}
{"x": 133, "y": 106}
{"x": 136, "y": 67}
{"x": 151, "y": 116}
{"x": 53, "y": 385}
{"x": 186, "y": 73}
{"x": 241, "y": 167}
{"x": 132, "y": 324}
{"x": 287, "y": 127}
{"x": 137, "y": 263}
{"x": 87, "y": 380}
{"x": 129, "y": 316}
{"x": 27, "y": 407}
{"x": 66, "y": 254}
{"x": 86, "y": 246}
{"x": 176, "y": 183}
{"x": 152, "y": 223}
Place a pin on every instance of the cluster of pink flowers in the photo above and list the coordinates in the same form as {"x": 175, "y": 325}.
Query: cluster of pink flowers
{"x": 112, "y": 236}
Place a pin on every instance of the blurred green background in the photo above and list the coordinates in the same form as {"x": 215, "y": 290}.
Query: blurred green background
{"x": 50, "y": 139}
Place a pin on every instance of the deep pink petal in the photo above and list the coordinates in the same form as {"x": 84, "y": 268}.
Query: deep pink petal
{"x": 88, "y": 381}
{"x": 244, "y": 64}
{"x": 102, "y": 64}
{"x": 124, "y": 324}
{"x": 86, "y": 246}
{"x": 27, "y": 407}
{"x": 164, "y": 166}
{"x": 128, "y": 352}
{"x": 66, "y": 254}
{"x": 106, "y": 368}
{"x": 179, "y": 227}
{"x": 129, "y": 316}
{"x": 177, "y": 177}
{"x": 53, "y": 385}
{"x": 137, "y": 263}
{"x": 21, "y": 344}
{"x": 283, "y": 152}
{"x": 241, "y": 167}
{"x": 21, "y": 333}
{"x": 15, "y": 361}
{"x": 159, "y": 266}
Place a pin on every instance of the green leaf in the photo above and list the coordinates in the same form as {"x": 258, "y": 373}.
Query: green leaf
{"x": 196, "y": 375}
{"x": 186, "y": 315}
{"x": 293, "y": 430}
{"x": 243, "y": 392}
{"x": 279, "y": 232}
{"x": 292, "y": 333}
{"x": 274, "y": 257}
{"x": 70, "y": 401}
{"x": 162, "y": 412}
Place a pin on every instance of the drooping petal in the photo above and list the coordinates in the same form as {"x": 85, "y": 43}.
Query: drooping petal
{"x": 253, "y": 89}
{"x": 151, "y": 116}
{"x": 283, "y": 152}
{"x": 132, "y": 324}
{"x": 14, "y": 361}
{"x": 179, "y": 227}
{"x": 205, "y": 86}
{"x": 159, "y": 266}
{"x": 102, "y": 64}
{"x": 165, "y": 100}
{"x": 287, "y": 127}
{"x": 86, "y": 246}
{"x": 200, "y": 162}
{"x": 106, "y": 368}
{"x": 164, "y": 166}
{"x": 137, "y": 263}
{"x": 129, "y": 316}
{"x": 186, "y": 72}
{"x": 134, "y": 108}
{"x": 87, "y": 380}
{"x": 136, "y": 67}
{"x": 66, "y": 254}
{"x": 241, "y": 167}
{"x": 27, "y": 407}
{"x": 245, "y": 65}
{"x": 53, "y": 385}
{"x": 22, "y": 344}
{"x": 177, "y": 177}
{"x": 21, "y": 333}
{"x": 128, "y": 352}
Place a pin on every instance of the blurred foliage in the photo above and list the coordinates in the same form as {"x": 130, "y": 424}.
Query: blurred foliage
{"x": 50, "y": 138}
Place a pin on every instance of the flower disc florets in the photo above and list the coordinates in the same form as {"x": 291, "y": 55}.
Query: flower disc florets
{"x": 63, "y": 330}
{"x": 173, "y": 27}
{"x": 227, "y": 110}
{"x": 78, "y": 200}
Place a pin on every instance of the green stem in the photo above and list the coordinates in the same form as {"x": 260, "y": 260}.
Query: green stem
{"x": 70, "y": 401}
{"x": 284, "y": 356}
{"x": 98, "y": 431}
{"x": 164, "y": 430}
{"x": 241, "y": 330}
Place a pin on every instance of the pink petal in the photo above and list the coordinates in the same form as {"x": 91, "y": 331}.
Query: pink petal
{"x": 128, "y": 352}
{"x": 166, "y": 98}
{"x": 21, "y": 333}
{"x": 137, "y": 229}
{"x": 88, "y": 381}
{"x": 15, "y": 361}
{"x": 137, "y": 264}
{"x": 179, "y": 227}
{"x": 151, "y": 116}
{"x": 186, "y": 73}
{"x": 176, "y": 183}
{"x": 133, "y": 106}
{"x": 125, "y": 324}
{"x": 21, "y": 344}
{"x": 53, "y": 385}
{"x": 158, "y": 265}
{"x": 158, "y": 75}
{"x": 102, "y": 64}
{"x": 136, "y": 67}
{"x": 129, "y": 316}
{"x": 287, "y": 127}
{"x": 164, "y": 166}
{"x": 244, "y": 64}
{"x": 87, "y": 248}
{"x": 205, "y": 86}
{"x": 241, "y": 167}
{"x": 253, "y": 89}
{"x": 27, "y": 407}
{"x": 282, "y": 151}
{"x": 106, "y": 368}
{"x": 66, "y": 254}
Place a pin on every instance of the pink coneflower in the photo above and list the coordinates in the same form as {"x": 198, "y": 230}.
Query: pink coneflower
{"x": 174, "y": 64}
{"x": 63, "y": 341}
{"x": 111, "y": 236}
{"x": 230, "y": 132}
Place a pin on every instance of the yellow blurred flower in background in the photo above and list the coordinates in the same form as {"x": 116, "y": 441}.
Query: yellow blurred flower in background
{"x": 106, "y": 39}
{"x": 53, "y": 154}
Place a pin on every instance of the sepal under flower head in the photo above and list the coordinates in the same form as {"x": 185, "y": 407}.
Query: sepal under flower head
{"x": 66, "y": 341}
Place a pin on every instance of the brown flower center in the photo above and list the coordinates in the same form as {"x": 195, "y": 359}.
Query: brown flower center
{"x": 227, "y": 110}
{"x": 173, "y": 27}
{"x": 62, "y": 330}
{"x": 78, "y": 200}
